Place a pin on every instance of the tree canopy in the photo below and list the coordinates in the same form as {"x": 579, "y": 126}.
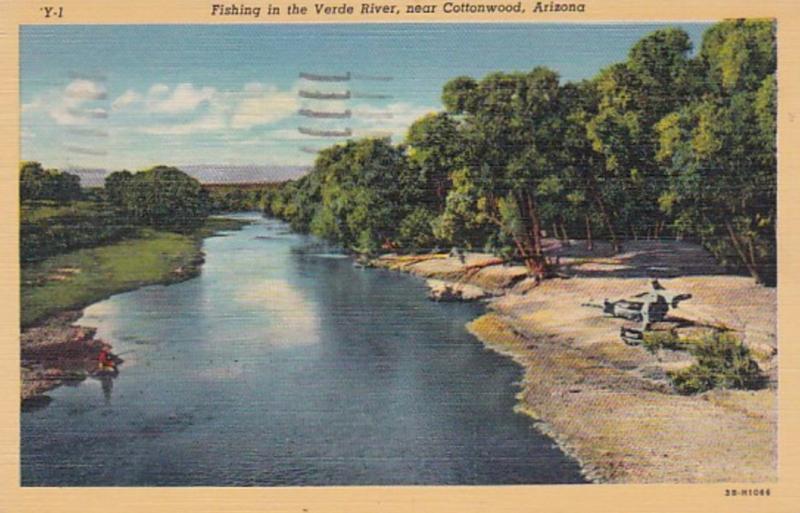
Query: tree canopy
{"x": 37, "y": 183}
{"x": 162, "y": 197}
{"x": 662, "y": 144}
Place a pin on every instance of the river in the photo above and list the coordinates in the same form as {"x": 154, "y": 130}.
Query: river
{"x": 282, "y": 364}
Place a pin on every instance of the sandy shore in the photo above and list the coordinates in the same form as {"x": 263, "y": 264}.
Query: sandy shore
{"x": 610, "y": 405}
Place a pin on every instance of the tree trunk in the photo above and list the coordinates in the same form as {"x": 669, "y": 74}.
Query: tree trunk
{"x": 564, "y": 236}
{"x": 536, "y": 228}
{"x": 589, "y": 241}
{"x": 537, "y": 265}
{"x": 615, "y": 245}
{"x": 751, "y": 265}
{"x": 530, "y": 244}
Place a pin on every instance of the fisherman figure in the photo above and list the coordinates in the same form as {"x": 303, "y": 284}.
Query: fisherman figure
{"x": 105, "y": 362}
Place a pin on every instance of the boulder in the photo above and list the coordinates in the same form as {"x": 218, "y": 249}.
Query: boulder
{"x": 441, "y": 290}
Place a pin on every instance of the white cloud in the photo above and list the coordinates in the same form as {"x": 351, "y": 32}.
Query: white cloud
{"x": 71, "y": 105}
{"x": 400, "y": 117}
{"x": 161, "y": 99}
{"x": 253, "y": 87}
{"x": 393, "y": 121}
{"x": 32, "y": 106}
{"x": 184, "y": 98}
{"x": 128, "y": 98}
{"x": 158, "y": 90}
{"x": 254, "y": 105}
{"x": 85, "y": 90}
{"x": 262, "y": 107}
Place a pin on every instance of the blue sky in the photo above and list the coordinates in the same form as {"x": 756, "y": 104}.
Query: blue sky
{"x": 131, "y": 97}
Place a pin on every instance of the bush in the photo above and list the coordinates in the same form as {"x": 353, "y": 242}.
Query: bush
{"x": 48, "y": 229}
{"x": 655, "y": 340}
{"x": 722, "y": 362}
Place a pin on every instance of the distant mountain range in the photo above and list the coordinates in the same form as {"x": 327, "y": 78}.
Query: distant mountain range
{"x": 210, "y": 173}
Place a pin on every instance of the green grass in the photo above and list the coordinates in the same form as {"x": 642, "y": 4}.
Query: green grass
{"x": 79, "y": 278}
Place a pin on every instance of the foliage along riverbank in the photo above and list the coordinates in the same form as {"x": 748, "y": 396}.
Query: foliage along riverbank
{"x": 76, "y": 279}
{"x": 610, "y": 405}
{"x": 666, "y": 144}
{"x": 54, "y": 290}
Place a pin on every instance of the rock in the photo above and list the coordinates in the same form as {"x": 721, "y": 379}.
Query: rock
{"x": 448, "y": 291}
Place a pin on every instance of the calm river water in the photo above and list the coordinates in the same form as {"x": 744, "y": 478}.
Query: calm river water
{"x": 282, "y": 364}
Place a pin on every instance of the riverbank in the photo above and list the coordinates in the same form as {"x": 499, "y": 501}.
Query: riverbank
{"x": 610, "y": 405}
{"x": 54, "y": 292}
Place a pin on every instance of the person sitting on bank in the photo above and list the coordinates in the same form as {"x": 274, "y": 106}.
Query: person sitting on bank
{"x": 105, "y": 361}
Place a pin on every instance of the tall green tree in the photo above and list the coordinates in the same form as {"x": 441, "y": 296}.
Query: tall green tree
{"x": 719, "y": 152}
{"x": 358, "y": 195}
{"x": 115, "y": 185}
{"x": 662, "y": 142}
{"x": 509, "y": 124}
{"x": 436, "y": 150}
{"x": 634, "y": 95}
{"x": 583, "y": 169}
{"x": 166, "y": 198}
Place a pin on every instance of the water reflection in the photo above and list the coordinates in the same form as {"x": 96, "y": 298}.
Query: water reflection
{"x": 107, "y": 384}
{"x": 293, "y": 318}
{"x": 282, "y": 367}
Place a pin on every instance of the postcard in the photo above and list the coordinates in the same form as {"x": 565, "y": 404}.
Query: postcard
{"x": 398, "y": 256}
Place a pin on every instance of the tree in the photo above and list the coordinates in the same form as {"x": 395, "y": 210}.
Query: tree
{"x": 508, "y": 125}
{"x": 582, "y": 167}
{"x": 659, "y": 143}
{"x": 165, "y": 198}
{"x": 737, "y": 55}
{"x": 115, "y": 186}
{"x": 633, "y": 96}
{"x": 719, "y": 151}
{"x": 37, "y": 183}
{"x": 435, "y": 149}
{"x": 357, "y": 195}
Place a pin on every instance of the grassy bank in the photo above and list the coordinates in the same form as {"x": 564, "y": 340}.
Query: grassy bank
{"x": 49, "y": 228}
{"x": 73, "y": 280}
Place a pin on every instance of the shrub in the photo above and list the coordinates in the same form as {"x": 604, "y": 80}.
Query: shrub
{"x": 47, "y": 229}
{"x": 655, "y": 340}
{"x": 722, "y": 362}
